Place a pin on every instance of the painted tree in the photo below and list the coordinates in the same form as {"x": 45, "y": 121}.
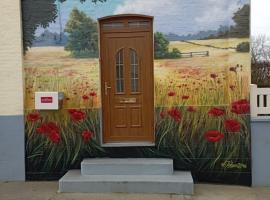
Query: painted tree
{"x": 241, "y": 19}
{"x": 161, "y": 45}
{"x": 83, "y": 35}
{"x": 37, "y": 13}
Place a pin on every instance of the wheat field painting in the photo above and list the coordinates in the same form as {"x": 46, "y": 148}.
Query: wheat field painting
{"x": 201, "y": 100}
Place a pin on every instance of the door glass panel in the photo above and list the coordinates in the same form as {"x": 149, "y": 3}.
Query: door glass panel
{"x": 113, "y": 25}
{"x": 134, "y": 71}
{"x": 137, "y": 24}
{"x": 119, "y": 72}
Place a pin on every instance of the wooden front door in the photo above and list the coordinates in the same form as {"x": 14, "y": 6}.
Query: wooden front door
{"x": 127, "y": 84}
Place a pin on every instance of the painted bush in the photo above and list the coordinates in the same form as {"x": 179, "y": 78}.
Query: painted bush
{"x": 201, "y": 102}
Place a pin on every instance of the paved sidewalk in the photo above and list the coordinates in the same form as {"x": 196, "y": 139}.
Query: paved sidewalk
{"x": 48, "y": 191}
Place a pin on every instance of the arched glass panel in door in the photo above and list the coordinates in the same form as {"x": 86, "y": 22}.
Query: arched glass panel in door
{"x": 134, "y": 68}
{"x": 119, "y": 71}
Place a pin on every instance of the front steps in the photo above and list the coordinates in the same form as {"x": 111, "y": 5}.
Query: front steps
{"x": 131, "y": 175}
{"x": 139, "y": 166}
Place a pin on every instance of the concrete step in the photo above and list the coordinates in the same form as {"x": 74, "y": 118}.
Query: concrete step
{"x": 179, "y": 182}
{"x": 127, "y": 166}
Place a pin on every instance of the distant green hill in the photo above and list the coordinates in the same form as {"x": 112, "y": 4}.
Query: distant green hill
{"x": 48, "y": 38}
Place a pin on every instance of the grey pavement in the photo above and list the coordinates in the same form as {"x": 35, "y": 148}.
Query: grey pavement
{"x": 48, "y": 191}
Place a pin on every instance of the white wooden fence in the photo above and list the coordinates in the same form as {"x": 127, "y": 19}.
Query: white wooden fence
{"x": 259, "y": 102}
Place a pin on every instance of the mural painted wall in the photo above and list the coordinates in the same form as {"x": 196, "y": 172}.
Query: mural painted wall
{"x": 202, "y": 76}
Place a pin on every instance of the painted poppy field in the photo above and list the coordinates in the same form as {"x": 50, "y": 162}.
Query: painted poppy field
{"x": 202, "y": 112}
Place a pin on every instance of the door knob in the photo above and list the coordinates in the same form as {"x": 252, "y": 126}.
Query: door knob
{"x": 106, "y": 87}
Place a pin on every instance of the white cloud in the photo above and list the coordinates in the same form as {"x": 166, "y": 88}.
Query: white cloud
{"x": 150, "y": 7}
{"x": 218, "y": 12}
{"x": 183, "y": 16}
{"x": 165, "y": 12}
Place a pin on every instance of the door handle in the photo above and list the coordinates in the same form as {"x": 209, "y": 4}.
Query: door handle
{"x": 106, "y": 87}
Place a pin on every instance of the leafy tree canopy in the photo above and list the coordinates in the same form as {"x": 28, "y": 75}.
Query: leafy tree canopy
{"x": 37, "y": 13}
{"x": 242, "y": 22}
{"x": 83, "y": 35}
{"x": 162, "y": 47}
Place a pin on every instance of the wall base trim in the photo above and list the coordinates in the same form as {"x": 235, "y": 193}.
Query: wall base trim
{"x": 12, "y": 151}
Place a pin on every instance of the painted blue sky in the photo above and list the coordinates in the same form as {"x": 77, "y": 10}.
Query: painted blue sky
{"x": 171, "y": 16}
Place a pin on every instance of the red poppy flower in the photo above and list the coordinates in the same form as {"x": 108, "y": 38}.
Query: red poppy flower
{"x": 70, "y": 111}
{"x": 51, "y": 130}
{"x": 32, "y": 117}
{"x": 232, "y": 125}
{"x": 185, "y": 97}
{"x": 51, "y": 126}
{"x": 175, "y": 114}
{"x": 216, "y": 112}
{"x": 240, "y": 107}
{"x": 233, "y": 69}
{"x": 47, "y": 128}
{"x": 42, "y": 129}
{"x": 191, "y": 109}
{"x": 171, "y": 94}
{"x": 232, "y": 87}
{"x": 87, "y": 135}
{"x": 213, "y": 136}
{"x": 54, "y": 137}
{"x": 93, "y": 94}
{"x": 162, "y": 114}
{"x": 77, "y": 115}
{"x": 214, "y": 76}
{"x": 85, "y": 97}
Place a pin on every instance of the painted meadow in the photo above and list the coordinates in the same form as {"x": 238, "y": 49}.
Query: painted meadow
{"x": 201, "y": 110}
{"x": 202, "y": 77}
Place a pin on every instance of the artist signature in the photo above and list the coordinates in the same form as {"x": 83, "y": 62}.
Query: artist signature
{"x": 228, "y": 164}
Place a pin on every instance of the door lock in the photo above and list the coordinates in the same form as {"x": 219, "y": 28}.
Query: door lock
{"x": 106, "y": 87}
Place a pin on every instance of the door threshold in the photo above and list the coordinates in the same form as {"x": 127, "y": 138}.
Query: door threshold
{"x": 128, "y": 144}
